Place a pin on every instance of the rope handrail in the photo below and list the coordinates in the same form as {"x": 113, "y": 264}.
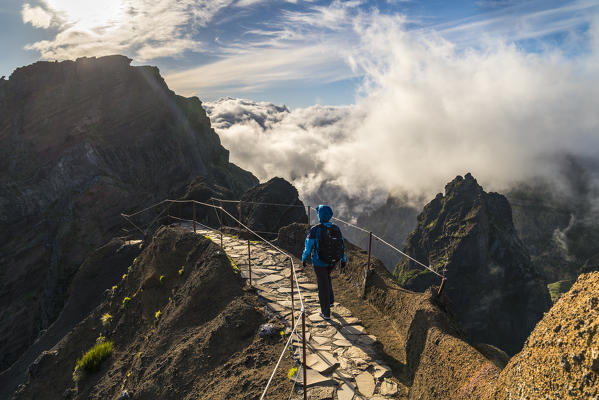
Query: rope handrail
{"x": 257, "y": 202}
{"x": 302, "y": 315}
{"x": 405, "y": 255}
{"x": 310, "y": 207}
{"x": 282, "y": 353}
{"x": 127, "y": 216}
{"x": 388, "y": 244}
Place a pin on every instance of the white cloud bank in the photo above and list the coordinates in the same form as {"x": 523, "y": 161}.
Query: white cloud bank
{"x": 428, "y": 112}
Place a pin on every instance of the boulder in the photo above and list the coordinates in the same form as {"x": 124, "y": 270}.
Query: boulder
{"x": 496, "y": 293}
{"x": 280, "y": 207}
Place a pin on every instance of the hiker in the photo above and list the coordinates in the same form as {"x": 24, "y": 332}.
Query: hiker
{"x": 325, "y": 244}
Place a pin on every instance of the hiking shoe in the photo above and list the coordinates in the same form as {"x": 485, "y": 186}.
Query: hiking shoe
{"x": 324, "y": 317}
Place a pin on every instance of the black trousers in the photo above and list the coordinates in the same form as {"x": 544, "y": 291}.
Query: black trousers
{"x": 325, "y": 289}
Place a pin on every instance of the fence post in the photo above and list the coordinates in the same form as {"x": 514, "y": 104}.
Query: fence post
{"x": 194, "y": 217}
{"x": 368, "y": 265}
{"x": 304, "y": 353}
{"x": 441, "y": 287}
{"x": 250, "y": 262}
{"x": 292, "y": 301}
{"x": 239, "y": 225}
{"x": 220, "y": 221}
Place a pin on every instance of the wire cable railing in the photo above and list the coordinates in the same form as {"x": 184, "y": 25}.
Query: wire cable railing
{"x": 293, "y": 274}
{"x": 359, "y": 228}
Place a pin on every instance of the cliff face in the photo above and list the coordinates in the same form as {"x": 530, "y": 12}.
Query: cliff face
{"x": 496, "y": 293}
{"x": 560, "y": 359}
{"x": 81, "y": 142}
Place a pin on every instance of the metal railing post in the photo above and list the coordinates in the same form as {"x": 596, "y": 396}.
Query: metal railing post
{"x": 194, "y": 217}
{"x": 304, "y": 354}
{"x": 292, "y": 301}
{"x": 239, "y": 225}
{"x": 441, "y": 287}
{"x": 250, "y": 262}
{"x": 369, "y": 256}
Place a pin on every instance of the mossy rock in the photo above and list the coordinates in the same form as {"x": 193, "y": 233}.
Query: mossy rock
{"x": 417, "y": 279}
{"x": 556, "y": 289}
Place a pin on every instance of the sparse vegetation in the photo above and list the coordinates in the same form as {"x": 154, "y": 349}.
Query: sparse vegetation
{"x": 115, "y": 287}
{"x": 234, "y": 265}
{"x": 556, "y": 289}
{"x": 126, "y": 302}
{"x": 106, "y": 318}
{"x": 161, "y": 279}
{"x": 157, "y": 315}
{"x": 291, "y": 372}
{"x": 124, "y": 276}
{"x": 182, "y": 270}
{"x": 407, "y": 276}
{"x": 92, "y": 359}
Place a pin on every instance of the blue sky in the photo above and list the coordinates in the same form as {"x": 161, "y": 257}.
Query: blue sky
{"x": 292, "y": 52}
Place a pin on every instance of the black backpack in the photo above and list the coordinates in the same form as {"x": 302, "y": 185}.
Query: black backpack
{"x": 330, "y": 244}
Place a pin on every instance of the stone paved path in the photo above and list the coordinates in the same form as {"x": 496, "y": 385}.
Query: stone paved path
{"x": 340, "y": 355}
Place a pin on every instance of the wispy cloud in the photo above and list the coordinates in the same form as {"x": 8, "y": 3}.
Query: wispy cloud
{"x": 429, "y": 111}
{"x": 143, "y": 29}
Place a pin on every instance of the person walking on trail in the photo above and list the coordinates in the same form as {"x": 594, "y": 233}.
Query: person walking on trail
{"x": 324, "y": 245}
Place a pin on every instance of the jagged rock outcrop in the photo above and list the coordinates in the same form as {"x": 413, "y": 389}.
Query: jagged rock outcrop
{"x": 80, "y": 142}
{"x": 188, "y": 330}
{"x": 560, "y": 359}
{"x": 496, "y": 293}
{"x": 283, "y": 207}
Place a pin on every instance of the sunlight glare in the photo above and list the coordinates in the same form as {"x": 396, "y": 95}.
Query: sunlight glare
{"x": 90, "y": 15}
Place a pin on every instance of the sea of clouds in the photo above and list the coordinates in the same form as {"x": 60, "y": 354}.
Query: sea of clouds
{"x": 426, "y": 112}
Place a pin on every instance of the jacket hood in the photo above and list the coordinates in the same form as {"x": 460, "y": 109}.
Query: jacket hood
{"x": 324, "y": 213}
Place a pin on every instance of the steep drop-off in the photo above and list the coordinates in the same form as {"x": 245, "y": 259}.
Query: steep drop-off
{"x": 495, "y": 292}
{"x": 80, "y": 142}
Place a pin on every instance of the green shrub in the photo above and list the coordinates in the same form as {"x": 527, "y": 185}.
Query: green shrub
{"x": 91, "y": 361}
{"x": 408, "y": 276}
{"x": 126, "y": 302}
{"x": 106, "y": 318}
{"x": 234, "y": 265}
{"x": 556, "y": 289}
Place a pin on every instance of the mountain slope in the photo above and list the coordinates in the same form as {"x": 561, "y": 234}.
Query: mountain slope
{"x": 80, "y": 142}
{"x": 496, "y": 293}
{"x": 182, "y": 335}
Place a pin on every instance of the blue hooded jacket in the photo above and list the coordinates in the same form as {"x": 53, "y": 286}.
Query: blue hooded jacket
{"x": 311, "y": 248}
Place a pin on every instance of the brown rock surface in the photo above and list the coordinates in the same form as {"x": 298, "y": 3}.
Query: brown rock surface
{"x": 80, "y": 142}
{"x": 204, "y": 343}
{"x": 560, "y": 359}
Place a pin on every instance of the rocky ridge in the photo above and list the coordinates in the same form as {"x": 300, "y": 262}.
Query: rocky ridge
{"x": 496, "y": 293}
{"x": 80, "y": 142}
